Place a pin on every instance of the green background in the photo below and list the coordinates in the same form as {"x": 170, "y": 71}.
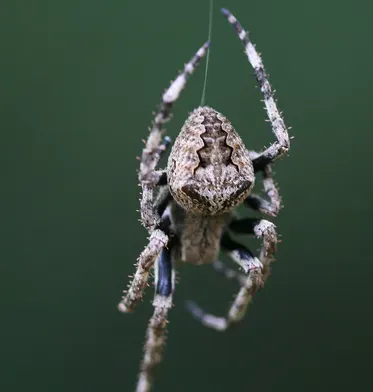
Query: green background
{"x": 79, "y": 81}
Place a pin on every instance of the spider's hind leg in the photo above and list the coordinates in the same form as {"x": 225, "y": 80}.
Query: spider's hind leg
{"x": 155, "y": 336}
{"x": 254, "y": 279}
{"x": 237, "y": 310}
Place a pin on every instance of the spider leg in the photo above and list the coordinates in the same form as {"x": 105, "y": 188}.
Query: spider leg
{"x": 164, "y": 198}
{"x": 164, "y": 145}
{"x": 155, "y": 336}
{"x": 148, "y": 176}
{"x": 273, "y": 204}
{"x": 282, "y": 144}
{"x": 261, "y": 228}
{"x": 158, "y": 240}
{"x": 240, "y": 254}
{"x": 255, "y": 278}
{"x": 239, "y": 306}
{"x": 229, "y": 273}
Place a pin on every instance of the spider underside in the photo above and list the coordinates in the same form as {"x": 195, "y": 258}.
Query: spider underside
{"x": 188, "y": 208}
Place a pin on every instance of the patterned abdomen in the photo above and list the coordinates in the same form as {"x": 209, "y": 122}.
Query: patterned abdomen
{"x": 209, "y": 169}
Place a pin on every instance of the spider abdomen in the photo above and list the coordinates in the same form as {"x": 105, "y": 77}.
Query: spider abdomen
{"x": 199, "y": 236}
{"x": 209, "y": 169}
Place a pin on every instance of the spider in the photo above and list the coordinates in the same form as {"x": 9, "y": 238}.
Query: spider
{"x": 188, "y": 208}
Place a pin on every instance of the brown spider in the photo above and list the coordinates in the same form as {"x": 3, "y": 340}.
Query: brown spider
{"x": 209, "y": 173}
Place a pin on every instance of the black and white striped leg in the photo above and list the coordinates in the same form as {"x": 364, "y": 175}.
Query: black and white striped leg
{"x": 154, "y": 147}
{"x": 282, "y": 144}
{"x": 271, "y": 206}
{"x": 240, "y": 254}
{"x": 163, "y": 200}
{"x": 252, "y": 282}
{"x": 155, "y": 336}
{"x": 261, "y": 228}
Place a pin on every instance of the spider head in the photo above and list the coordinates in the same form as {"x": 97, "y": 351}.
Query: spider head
{"x": 209, "y": 169}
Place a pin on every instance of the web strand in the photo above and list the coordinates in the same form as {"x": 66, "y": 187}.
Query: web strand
{"x": 208, "y": 53}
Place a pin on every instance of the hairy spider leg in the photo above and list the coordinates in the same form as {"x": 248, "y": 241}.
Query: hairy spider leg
{"x": 255, "y": 278}
{"x": 271, "y": 206}
{"x": 282, "y": 144}
{"x": 157, "y": 241}
{"x": 162, "y": 174}
{"x": 155, "y": 336}
{"x": 238, "y": 308}
{"x": 261, "y": 228}
{"x": 148, "y": 176}
{"x": 240, "y": 254}
{"x": 252, "y": 266}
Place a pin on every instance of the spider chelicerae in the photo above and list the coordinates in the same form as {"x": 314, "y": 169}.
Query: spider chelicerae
{"x": 188, "y": 207}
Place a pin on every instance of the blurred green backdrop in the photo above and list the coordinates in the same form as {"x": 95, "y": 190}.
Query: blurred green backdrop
{"x": 79, "y": 81}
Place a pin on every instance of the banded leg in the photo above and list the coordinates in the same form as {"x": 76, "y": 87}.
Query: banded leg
{"x": 240, "y": 254}
{"x": 261, "y": 228}
{"x": 238, "y": 308}
{"x": 157, "y": 241}
{"x": 151, "y": 153}
{"x": 264, "y": 229}
{"x": 254, "y": 280}
{"x": 273, "y": 204}
{"x": 282, "y": 144}
{"x": 162, "y": 174}
{"x": 155, "y": 336}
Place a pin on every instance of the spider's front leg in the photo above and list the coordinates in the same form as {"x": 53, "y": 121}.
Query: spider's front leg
{"x": 148, "y": 176}
{"x": 282, "y": 144}
{"x": 155, "y": 336}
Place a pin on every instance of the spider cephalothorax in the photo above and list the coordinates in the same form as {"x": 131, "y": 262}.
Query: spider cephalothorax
{"x": 188, "y": 209}
{"x": 209, "y": 169}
